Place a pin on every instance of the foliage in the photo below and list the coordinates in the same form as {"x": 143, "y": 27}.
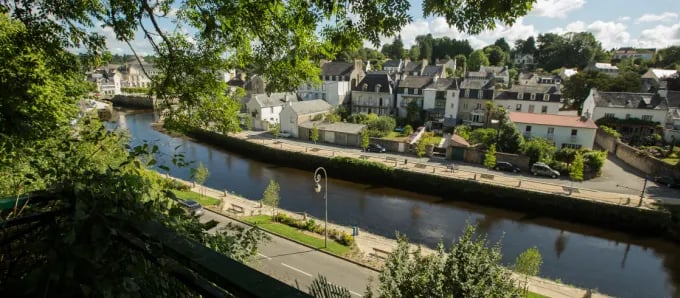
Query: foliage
{"x": 421, "y": 147}
{"x": 484, "y": 136}
{"x": 463, "y": 131}
{"x": 528, "y": 263}
{"x": 276, "y": 130}
{"x": 248, "y": 122}
{"x": 201, "y": 199}
{"x": 311, "y": 226}
{"x": 496, "y": 55}
{"x": 510, "y": 139}
{"x": 572, "y": 49}
{"x": 477, "y": 59}
{"x": 266, "y": 223}
{"x": 610, "y": 131}
{"x": 364, "y": 139}
{"x": 490, "y": 157}
{"x": 629, "y": 121}
{"x": 413, "y": 113}
{"x": 378, "y": 126}
{"x": 322, "y": 288}
{"x": 333, "y": 117}
{"x": 475, "y": 17}
{"x": 576, "y": 169}
{"x": 408, "y": 130}
{"x": 668, "y": 58}
{"x": 200, "y": 174}
{"x": 270, "y": 197}
{"x": 594, "y": 160}
{"x": 468, "y": 269}
{"x": 395, "y": 50}
{"x": 538, "y": 149}
{"x": 314, "y": 134}
{"x": 577, "y": 87}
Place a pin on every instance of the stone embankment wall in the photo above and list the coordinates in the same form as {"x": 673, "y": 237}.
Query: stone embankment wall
{"x": 649, "y": 165}
{"x": 133, "y": 101}
{"x": 629, "y": 219}
{"x": 477, "y": 156}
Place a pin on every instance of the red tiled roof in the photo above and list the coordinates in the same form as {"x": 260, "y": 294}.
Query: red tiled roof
{"x": 458, "y": 141}
{"x": 551, "y": 120}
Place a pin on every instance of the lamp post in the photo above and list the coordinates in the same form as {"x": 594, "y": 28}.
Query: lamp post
{"x": 317, "y": 188}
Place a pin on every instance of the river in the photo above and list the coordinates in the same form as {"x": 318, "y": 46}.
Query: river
{"x": 615, "y": 263}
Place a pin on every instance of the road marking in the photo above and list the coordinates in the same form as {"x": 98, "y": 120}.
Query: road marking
{"x": 266, "y": 257}
{"x": 298, "y": 270}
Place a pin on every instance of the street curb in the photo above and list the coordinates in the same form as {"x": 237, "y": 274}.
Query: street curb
{"x": 293, "y": 240}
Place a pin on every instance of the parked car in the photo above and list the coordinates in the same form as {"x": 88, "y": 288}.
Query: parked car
{"x": 284, "y": 134}
{"x": 542, "y": 169}
{"x": 375, "y": 148}
{"x": 192, "y": 207}
{"x": 506, "y": 166}
{"x": 667, "y": 181}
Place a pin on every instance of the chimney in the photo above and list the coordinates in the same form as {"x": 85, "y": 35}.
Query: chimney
{"x": 358, "y": 64}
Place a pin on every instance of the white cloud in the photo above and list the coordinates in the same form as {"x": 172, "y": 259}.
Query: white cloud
{"x": 623, "y": 19}
{"x": 555, "y": 8}
{"x": 610, "y": 34}
{"x": 660, "y": 36}
{"x": 664, "y": 17}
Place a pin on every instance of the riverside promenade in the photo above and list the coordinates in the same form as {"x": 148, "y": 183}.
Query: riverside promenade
{"x": 372, "y": 249}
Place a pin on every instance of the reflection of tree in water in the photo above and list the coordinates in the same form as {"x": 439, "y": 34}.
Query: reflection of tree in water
{"x": 254, "y": 170}
{"x": 671, "y": 264}
{"x": 415, "y": 213}
{"x": 210, "y": 154}
{"x": 485, "y": 223}
{"x": 625, "y": 256}
{"x": 228, "y": 161}
{"x": 560, "y": 243}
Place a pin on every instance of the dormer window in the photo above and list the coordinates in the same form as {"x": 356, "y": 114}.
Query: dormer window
{"x": 520, "y": 95}
{"x": 467, "y": 93}
{"x": 377, "y": 88}
{"x": 533, "y": 96}
{"x": 364, "y": 87}
{"x": 480, "y": 93}
{"x": 546, "y": 97}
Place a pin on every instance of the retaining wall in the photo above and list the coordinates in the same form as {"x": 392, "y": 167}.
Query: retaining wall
{"x": 635, "y": 158}
{"x": 133, "y": 101}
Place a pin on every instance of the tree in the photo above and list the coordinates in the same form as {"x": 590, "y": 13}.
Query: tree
{"x": 538, "y": 149}
{"x": 421, "y": 146}
{"x": 463, "y": 131}
{"x": 414, "y": 53}
{"x": 576, "y": 169}
{"x": 627, "y": 81}
{"x": 477, "y": 59}
{"x": 270, "y": 197}
{"x": 408, "y": 130}
{"x": 200, "y": 174}
{"x": 364, "y": 139}
{"x": 468, "y": 269}
{"x": 490, "y": 157}
{"x": 485, "y": 136}
{"x": 528, "y": 263}
{"x": 496, "y": 55}
{"x": 314, "y": 134}
{"x": 413, "y": 113}
{"x": 276, "y": 130}
{"x": 510, "y": 140}
{"x": 577, "y": 87}
{"x": 502, "y": 44}
{"x": 425, "y": 44}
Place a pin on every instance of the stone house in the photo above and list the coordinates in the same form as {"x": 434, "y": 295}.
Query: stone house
{"x": 296, "y": 113}
{"x": 374, "y": 94}
{"x": 264, "y": 109}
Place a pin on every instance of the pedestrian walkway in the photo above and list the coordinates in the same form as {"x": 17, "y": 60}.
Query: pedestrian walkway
{"x": 374, "y": 249}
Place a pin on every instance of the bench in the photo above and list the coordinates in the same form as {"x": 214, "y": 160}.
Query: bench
{"x": 486, "y": 176}
{"x": 236, "y": 209}
{"x": 379, "y": 253}
{"x": 569, "y": 189}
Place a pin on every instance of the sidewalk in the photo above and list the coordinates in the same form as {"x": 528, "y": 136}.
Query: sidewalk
{"x": 373, "y": 248}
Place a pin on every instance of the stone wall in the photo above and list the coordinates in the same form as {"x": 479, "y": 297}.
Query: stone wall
{"x": 606, "y": 141}
{"x": 133, "y": 101}
{"x": 390, "y": 145}
{"x": 635, "y": 158}
{"x": 477, "y": 156}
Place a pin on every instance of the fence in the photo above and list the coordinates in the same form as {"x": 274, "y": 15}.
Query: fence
{"x": 453, "y": 172}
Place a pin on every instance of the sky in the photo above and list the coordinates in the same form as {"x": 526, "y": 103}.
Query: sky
{"x": 615, "y": 23}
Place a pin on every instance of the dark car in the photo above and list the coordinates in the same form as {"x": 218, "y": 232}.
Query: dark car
{"x": 668, "y": 181}
{"x": 375, "y": 148}
{"x": 192, "y": 207}
{"x": 542, "y": 169}
{"x": 506, "y": 166}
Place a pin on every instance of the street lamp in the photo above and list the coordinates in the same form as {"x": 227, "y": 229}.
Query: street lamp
{"x": 317, "y": 188}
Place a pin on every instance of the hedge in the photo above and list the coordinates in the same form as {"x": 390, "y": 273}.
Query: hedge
{"x": 311, "y": 226}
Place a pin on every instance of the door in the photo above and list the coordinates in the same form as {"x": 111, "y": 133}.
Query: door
{"x": 458, "y": 154}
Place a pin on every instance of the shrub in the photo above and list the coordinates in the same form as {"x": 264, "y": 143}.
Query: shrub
{"x": 595, "y": 160}
{"x": 310, "y": 225}
{"x": 610, "y": 131}
{"x": 408, "y": 130}
{"x": 576, "y": 170}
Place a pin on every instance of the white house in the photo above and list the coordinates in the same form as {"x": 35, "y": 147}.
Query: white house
{"x": 524, "y": 60}
{"x": 500, "y": 74}
{"x": 632, "y": 53}
{"x": 537, "y": 98}
{"x": 565, "y": 73}
{"x": 473, "y": 94}
{"x": 374, "y": 94}
{"x": 296, "y": 113}
{"x": 673, "y": 119}
{"x": 625, "y": 105}
{"x": 338, "y": 78}
{"x": 414, "y": 68}
{"x": 137, "y": 73}
{"x": 108, "y": 82}
{"x": 264, "y": 109}
{"x": 652, "y": 78}
{"x": 440, "y": 103}
{"x": 393, "y": 66}
{"x": 565, "y": 131}
{"x": 606, "y": 68}
{"x": 411, "y": 90}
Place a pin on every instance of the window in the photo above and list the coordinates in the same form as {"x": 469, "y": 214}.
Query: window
{"x": 647, "y": 117}
{"x": 531, "y": 108}
{"x": 544, "y": 109}
{"x": 476, "y": 118}
{"x": 518, "y": 107}
{"x": 271, "y": 110}
{"x": 478, "y": 106}
{"x": 546, "y": 97}
{"x": 574, "y": 132}
{"x": 467, "y": 92}
{"x": 533, "y": 96}
{"x": 292, "y": 119}
{"x": 377, "y": 87}
{"x": 551, "y": 130}
{"x": 528, "y": 128}
{"x": 627, "y": 116}
{"x": 480, "y": 94}
{"x": 465, "y": 106}
{"x": 609, "y": 115}
{"x": 572, "y": 146}
{"x": 520, "y": 95}
{"x": 452, "y": 104}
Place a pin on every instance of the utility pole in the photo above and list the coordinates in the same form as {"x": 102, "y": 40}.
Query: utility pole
{"x": 642, "y": 194}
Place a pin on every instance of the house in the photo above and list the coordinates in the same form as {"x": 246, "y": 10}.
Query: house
{"x": 440, "y": 103}
{"x": 255, "y": 85}
{"x": 374, "y": 94}
{"x": 411, "y": 90}
{"x": 673, "y": 118}
{"x": 447, "y": 64}
{"x": 651, "y": 108}
{"x": 137, "y": 73}
{"x": 393, "y": 66}
{"x": 606, "y": 68}
{"x": 437, "y": 71}
{"x": 500, "y": 74}
{"x": 632, "y": 53}
{"x": 535, "y": 98}
{"x": 534, "y": 79}
{"x": 415, "y": 68}
{"x": 337, "y": 80}
{"x": 456, "y": 148}
{"x": 108, "y": 81}
{"x": 339, "y": 133}
{"x": 474, "y": 93}
{"x": 565, "y": 131}
{"x": 295, "y": 113}
{"x": 525, "y": 61}
{"x": 264, "y": 109}
{"x": 653, "y": 76}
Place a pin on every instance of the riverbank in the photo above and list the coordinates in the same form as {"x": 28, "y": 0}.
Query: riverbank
{"x": 372, "y": 249}
{"x": 595, "y": 208}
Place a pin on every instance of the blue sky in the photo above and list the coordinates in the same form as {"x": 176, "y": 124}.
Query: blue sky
{"x": 615, "y": 23}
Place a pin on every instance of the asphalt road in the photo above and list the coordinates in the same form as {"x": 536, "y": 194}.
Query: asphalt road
{"x": 298, "y": 265}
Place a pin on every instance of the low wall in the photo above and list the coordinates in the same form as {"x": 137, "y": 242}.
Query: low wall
{"x": 477, "y": 156}
{"x": 628, "y": 219}
{"x": 390, "y": 145}
{"x": 606, "y": 141}
{"x": 633, "y": 157}
{"x": 671, "y": 134}
{"x": 133, "y": 101}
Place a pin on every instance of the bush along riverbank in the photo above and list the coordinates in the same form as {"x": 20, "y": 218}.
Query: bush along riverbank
{"x": 656, "y": 223}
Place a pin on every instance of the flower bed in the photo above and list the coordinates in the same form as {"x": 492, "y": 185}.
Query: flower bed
{"x": 311, "y": 226}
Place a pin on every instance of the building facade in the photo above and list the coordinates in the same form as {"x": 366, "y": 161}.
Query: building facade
{"x": 337, "y": 80}
{"x": 564, "y": 131}
{"x": 374, "y": 94}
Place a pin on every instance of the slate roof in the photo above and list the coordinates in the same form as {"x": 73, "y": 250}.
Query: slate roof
{"x": 274, "y": 99}
{"x": 372, "y": 79}
{"x": 477, "y": 84}
{"x": 432, "y": 70}
{"x": 337, "y": 68}
{"x": 392, "y": 63}
{"x": 511, "y": 94}
{"x": 657, "y": 73}
{"x": 673, "y": 99}
{"x": 630, "y": 100}
{"x": 443, "y": 85}
{"x": 413, "y": 66}
{"x": 494, "y": 69}
{"x": 551, "y": 120}
{"x": 415, "y": 82}
{"x": 342, "y": 127}
{"x": 310, "y": 106}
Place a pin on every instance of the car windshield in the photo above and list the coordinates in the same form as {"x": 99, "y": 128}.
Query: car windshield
{"x": 191, "y": 203}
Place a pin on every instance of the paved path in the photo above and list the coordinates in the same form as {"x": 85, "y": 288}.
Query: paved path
{"x": 438, "y": 166}
{"x": 291, "y": 262}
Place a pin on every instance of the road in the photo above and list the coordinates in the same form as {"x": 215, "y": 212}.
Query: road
{"x": 298, "y": 265}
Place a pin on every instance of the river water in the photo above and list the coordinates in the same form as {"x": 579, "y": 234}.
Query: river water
{"x": 614, "y": 263}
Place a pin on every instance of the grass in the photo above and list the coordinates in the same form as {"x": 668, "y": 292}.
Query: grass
{"x": 265, "y": 222}
{"x": 190, "y": 195}
{"x": 393, "y": 135}
{"x": 534, "y": 295}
